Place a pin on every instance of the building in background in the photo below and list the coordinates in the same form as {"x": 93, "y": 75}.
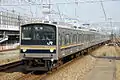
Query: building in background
{"x": 9, "y": 28}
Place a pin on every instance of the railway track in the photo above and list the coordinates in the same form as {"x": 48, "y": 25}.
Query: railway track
{"x": 31, "y": 75}
{"x": 10, "y": 65}
{"x": 40, "y": 76}
{"x": 106, "y": 57}
{"x": 112, "y": 57}
{"x": 115, "y": 57}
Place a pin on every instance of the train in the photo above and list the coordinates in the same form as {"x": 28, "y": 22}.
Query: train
{"x": 43, "y": 46}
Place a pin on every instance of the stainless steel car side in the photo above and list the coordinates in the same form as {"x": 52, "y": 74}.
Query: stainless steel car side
{"x": 40, "y": 53}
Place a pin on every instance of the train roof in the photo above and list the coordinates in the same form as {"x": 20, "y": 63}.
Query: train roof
{"x": 67, "y": 26}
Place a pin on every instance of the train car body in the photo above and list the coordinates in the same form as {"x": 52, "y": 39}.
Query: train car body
{"x": 44, "y": 46}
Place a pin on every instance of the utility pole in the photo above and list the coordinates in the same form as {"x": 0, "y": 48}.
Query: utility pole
{"x": 19, "y": 21}
{"x": 75, "y": 12}
{"x": 103, "y": 10}
{"x": 46, "y": 6}
{"x": 119, "y": 33}
{"x": 110, "y": 19}
{"x": 59, "y": 12}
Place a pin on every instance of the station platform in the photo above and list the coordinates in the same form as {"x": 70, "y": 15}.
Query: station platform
{"x": 10, "y": 56}
{"x": 8, "y": 47}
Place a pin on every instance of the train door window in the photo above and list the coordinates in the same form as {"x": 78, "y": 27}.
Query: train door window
{"x": 84, "y": 37}
{"x": 74, "y": 39}
{"x": 70, "y": 41}
{"x": 60, "y": 40}
{"x": 92, "y": 37}
{"x": 0, "y": 19}
{"x": 88, "y": 37}
{"x": 79, "y": 38}
{"x": 67, "y": 39}
{"x": 63, "y": 40}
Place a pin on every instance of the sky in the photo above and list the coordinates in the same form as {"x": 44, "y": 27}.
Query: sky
{"x": 85, "y": 10}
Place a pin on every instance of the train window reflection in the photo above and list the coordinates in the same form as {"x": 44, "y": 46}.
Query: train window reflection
{"x": 26, "y": 33}
{"x": 41, "y": 34}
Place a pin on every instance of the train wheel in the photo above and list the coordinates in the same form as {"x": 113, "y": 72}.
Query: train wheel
{"x": 24, "y": 70}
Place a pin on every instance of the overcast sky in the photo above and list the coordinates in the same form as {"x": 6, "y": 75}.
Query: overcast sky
{"x": 89, "y": 12}
{"x": 86, "y": 11}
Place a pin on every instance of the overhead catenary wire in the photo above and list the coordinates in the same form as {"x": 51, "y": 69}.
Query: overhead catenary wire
{"x": 35, "y": 3}
{"x": 60, "y": 3}
{"x": 59, "y": 12}
{"x": 103, "y": 10}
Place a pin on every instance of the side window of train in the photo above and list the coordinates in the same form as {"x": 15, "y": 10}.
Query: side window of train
{"x": 89, "y": 37}
{"x": 79, "y": 38}
{"x": 74, "y": 39}
{"x": 67, "y": 39}
{"x": 60, "y": 39}
{"x": 83, "y": 37}
{"x": 86, "y": 38}
{"x": 92, "y": 37}
{"x": 63, "y": 40}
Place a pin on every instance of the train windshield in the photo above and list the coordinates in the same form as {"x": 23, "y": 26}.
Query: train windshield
{"x": 38, "y": 34}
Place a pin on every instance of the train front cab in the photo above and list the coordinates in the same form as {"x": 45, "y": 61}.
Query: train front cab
{"x": 38, "y": 46}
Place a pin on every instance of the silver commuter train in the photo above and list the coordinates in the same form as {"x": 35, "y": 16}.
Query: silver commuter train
{"x": 44, "y": 46}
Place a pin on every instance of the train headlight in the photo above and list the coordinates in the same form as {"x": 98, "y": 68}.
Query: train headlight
{"x": 51, "y": 50}
{"x": 24, "y": 50}
{"x": 52, "y": 59}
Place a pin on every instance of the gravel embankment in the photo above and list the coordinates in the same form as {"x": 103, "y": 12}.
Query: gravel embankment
{"x": 110, "y": 51}
{"x": 117, "y": 70}
{"x": 105, "y": 51}
{"x": 74, "y": 71}
{"x": 11, "y": 76}
{"x": 118, "y": 65}
{"x": 9, "y": 56}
